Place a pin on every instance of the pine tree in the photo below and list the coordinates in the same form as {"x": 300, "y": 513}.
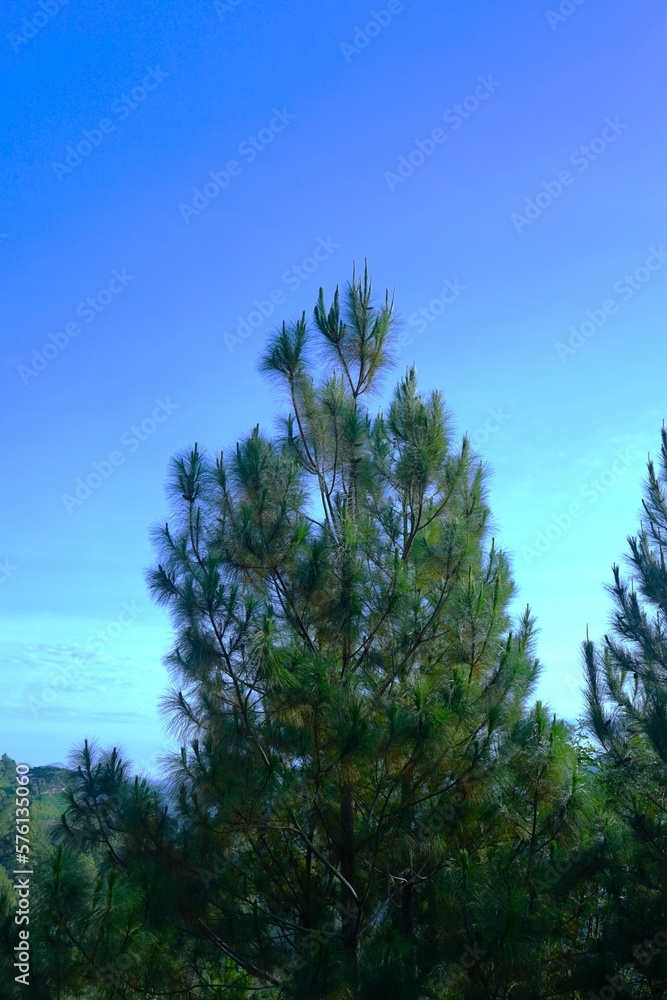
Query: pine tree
{"x": 349, "y": 680}
{"x": 627, "y": 708}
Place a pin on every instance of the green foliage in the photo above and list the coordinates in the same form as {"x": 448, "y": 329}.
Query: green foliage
{"x": 367, "y": 802}
{"x": 627, "y": 709}
{"x": 351, "y": 687}
{"x": 47, "y": 803}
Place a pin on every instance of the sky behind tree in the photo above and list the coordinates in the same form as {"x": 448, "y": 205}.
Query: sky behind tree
{"x": 178, "y": 178}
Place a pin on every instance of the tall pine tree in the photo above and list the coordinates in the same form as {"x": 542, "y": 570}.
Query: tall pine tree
{"x": 348, "y": 675}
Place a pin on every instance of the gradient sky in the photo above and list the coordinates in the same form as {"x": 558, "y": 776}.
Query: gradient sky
{"x": 532, "y": 148}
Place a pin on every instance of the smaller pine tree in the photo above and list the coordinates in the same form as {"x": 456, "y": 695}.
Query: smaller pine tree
{"x": 627, "y": 711}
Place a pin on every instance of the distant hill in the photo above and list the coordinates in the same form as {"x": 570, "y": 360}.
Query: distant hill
{"x": 47, "y": 803}
{"x": 49, "y": 779}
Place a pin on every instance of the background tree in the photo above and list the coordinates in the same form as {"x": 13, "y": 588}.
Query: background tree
{"x": 627, "y": 708}
{"x": 105, "y": 919}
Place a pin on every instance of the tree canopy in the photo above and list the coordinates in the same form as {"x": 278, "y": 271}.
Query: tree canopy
{"x": 368, "y": 801}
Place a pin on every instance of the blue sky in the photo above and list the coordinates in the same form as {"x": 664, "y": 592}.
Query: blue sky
{"x": 172, "y": 171}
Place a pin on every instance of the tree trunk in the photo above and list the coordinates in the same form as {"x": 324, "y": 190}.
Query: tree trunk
{"x": 349, "y": 907}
